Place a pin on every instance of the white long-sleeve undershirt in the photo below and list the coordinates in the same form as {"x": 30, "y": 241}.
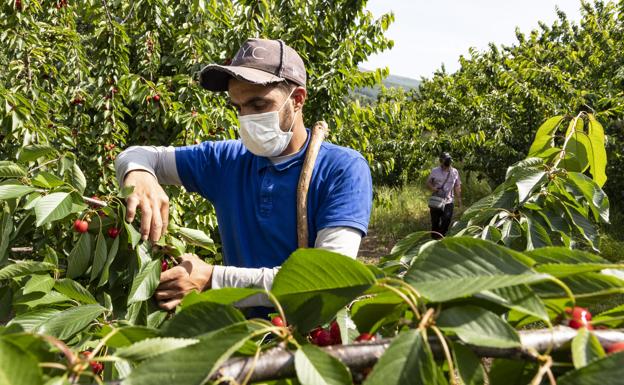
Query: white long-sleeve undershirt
{"x": 161, "y": 163}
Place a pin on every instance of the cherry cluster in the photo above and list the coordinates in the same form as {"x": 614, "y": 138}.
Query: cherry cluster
{"x": 96, "y": 366}
{"x": 581, "y": 318}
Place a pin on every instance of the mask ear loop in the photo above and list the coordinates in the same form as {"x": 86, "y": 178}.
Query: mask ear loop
{"x": 295, "y": 114}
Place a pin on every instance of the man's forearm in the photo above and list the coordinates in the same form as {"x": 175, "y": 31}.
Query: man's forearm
{"x": 158, "y": 161}
{"x": 343, "y": 240}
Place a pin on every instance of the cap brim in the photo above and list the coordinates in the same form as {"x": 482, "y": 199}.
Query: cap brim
{"x": 215, "y": 77}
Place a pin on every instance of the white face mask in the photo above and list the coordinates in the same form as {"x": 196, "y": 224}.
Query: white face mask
{"x": 261, "y": 133}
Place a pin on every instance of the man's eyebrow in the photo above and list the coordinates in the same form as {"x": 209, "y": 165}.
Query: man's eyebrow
{"x": 251, "y": 101}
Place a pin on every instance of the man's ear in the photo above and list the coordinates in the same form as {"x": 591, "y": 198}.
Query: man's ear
{"x": 300, "y": 95}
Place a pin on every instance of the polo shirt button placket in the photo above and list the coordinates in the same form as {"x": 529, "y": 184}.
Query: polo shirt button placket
{"x": 266, "y": 192}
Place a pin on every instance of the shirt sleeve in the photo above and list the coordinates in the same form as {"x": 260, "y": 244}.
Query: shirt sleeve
{"x": 158, "y": 161}
{"x": 201, "y": 166}
{"x": 348, "y": 199}
{"x": 343, "y": 240}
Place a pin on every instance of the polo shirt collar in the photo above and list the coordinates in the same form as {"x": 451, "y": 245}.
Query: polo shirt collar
{"x": 264, "y": 162}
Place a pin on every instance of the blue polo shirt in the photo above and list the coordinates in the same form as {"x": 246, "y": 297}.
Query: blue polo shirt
{"x": 255, "y": 200}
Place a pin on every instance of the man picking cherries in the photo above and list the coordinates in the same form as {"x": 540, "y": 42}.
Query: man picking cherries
{"x": 252, "y": 182}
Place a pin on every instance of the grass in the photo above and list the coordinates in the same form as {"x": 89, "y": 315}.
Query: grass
{"x": 400, "y": 211}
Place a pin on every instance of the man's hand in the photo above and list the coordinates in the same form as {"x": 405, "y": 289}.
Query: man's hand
{"x": 153, "y": 202}
{"x": 191, "y": 274}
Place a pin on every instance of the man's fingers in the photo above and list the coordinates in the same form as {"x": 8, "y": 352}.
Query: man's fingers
{"x": 156, "y": 225}
{"x": 162, "y": 295}
{"x": 164, "y": 214}
{"x": 133, "y": 202}
{"x": 173, "y": 274}
{"x": 169, "y": 305}
{"x": 146, "y": 219}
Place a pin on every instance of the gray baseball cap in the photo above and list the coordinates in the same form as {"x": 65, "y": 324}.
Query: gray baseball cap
{"x": 258, "y": 61}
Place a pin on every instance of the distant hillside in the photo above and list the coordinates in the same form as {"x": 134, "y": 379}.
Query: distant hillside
{"x": 392, "y": 81}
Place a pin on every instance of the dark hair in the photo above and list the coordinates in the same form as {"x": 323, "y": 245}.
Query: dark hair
{"x": 286, "y": 86}
{"x": 445, "y": 156}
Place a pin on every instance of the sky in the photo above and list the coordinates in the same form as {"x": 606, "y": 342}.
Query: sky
{"x": 427, "y": 33}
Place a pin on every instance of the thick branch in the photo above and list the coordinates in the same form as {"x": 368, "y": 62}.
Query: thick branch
{"x": 279, "y": 363}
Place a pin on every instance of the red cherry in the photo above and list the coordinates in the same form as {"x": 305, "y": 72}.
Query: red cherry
{"x": 334, "y": 331}
{"x": 164, "y": 266}
{"x": 616, "y": 347}
{"x": 81, "y": 226}
{"x": 18, "y": 5}
{"x": 576, "y": 324}
{"x": 315, "y": 332}
{"x": 579, "y": 313}
{"x": 278, "y": 321}
{"x": 156, "y": 98}
{"x": 115, "y": 90}
{"x": 193, "y": 113}
{"x": 113, "y": 232}
{"x": 365, "y": 337}
{"x": 96, "y": 367}
{"x": 323, "y": 338}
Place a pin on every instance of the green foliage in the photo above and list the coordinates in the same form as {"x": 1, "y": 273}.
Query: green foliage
{"x": 79, "y": 78}
{"x": 546, "y": 199}
{"x": 77, "y": 82}
{"x": 486, "y": 112}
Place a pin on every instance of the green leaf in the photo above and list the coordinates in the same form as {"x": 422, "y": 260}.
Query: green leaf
{"x": 79, "y": 258}
{"x": 477, "y": 326}
{"x": 71, "y": 321}
{"x": 313, "y": 284}
{"x": 145, "y": 282}
{"x": 600, "y": 372}
{"x": 18, "y": 367}
{"x": 36, "y": 299}
{"x": 315, "y": 367}
{"x": 75, "y": 174}
{"x": 75, "y": 291}
{"x": 597, "y": 153}
{"x": 544, "y": 136}
{"x": 100, "y": 258}
{"x": 41, "y": 283}
{"x": 11, "y": 191}
{"x": 537, "y": 235}
{"x": 371, "y": 313}
{"x": 595, "y": 197}
{"x": 134, "y": 237}
{"x": 53, "y": 207}
{"x": 585, "y": 348}
{"x": 9, "y": 169}
{"x": 112, "y": 253}
{"x": 35, "y": 151}
{"x": 151, "y": 347}
{"x": 21, "y": 268}
{"x": 201, "y": 318}
{"x": 511, "y": 372}
{"x": 520, "y": 298}
{"x": 460, "y": 266}
{"x": 195, "y": 237}
{"x": 408, "y": 360}
{"x": 127, "y": 335}
{"x": 193, "y": 364}
{"x": 224, "y": 296}
{"x": 6, "y": 228}
{"x": 33, "y": 318}
{"x": 47, "y": 180}
{"x": 468, "y": 365}
{"x": 528, "y": 181}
